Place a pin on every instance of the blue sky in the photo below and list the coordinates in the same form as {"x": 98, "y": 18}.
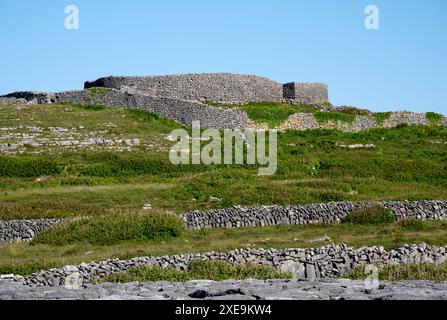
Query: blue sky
{"x": 400, "y": 66}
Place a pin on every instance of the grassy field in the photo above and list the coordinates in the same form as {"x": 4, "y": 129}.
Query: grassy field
{"x": 104, "y": 183}
{"x": 27, "y": 258}
{"x": 406, "y": 163}
{"x": 211, "y": 270}
{"x": 428, "y": 272}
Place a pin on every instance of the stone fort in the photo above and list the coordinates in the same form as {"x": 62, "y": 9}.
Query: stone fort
{"x": 218, "y": 87}
{"x": 186, "y": 98}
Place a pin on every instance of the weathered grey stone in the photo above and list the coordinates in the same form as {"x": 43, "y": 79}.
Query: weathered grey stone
{"x": 329, "y": 289}
{"x": 325, "y": 262}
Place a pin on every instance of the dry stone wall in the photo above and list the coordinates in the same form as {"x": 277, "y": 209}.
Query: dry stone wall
{"x": 217, "y": 87}
{"x": 315, "y": 263}
{"x": 305, "y": 93}
{"x": 306, "y": 121}
{"x": 182, "y": 111}
{"x": 23, "y": 230}
{"x": 332, "y": 212}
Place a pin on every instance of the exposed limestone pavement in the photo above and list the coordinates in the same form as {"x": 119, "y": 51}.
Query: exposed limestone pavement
{"x": 234, "y": 290}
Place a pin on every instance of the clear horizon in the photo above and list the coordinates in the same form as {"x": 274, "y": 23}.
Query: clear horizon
{"x": 400, "y": 66}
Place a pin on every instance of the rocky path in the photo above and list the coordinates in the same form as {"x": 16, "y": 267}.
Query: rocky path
{"x": 233, "y": 290}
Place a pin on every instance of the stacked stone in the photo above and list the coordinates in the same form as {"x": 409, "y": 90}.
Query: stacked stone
{"x": 325, "y": 262}
{"x": 216, "y": 87}
{"x": 182, "y": 111}
{"x": 404, "y": 117}
{"x": 332, "y": 212}
{"x": 306, "y": 121}
{"x": 32, "y": 96}
{"x": 305, "y": 93}
{"x": 23, "y": 230}
{"x": 235, "y": 217}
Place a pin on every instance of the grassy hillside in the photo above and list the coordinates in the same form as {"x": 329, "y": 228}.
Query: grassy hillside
{"x": 313, "y": 166}
{"x": 105, "y": 164}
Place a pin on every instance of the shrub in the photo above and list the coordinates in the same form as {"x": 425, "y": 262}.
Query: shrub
{"x": 426, "y": 271}
{"x": 199, "y": 269}
{"x": 433, "y": 117}
{"x": 112, "y": 229}
{"x": 370, "y": 215}
{"x": 381, "y": 117}
{"x": 25, "y": 167}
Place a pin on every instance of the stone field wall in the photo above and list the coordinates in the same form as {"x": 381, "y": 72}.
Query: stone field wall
{"x": 25, "y": 230}
{"x": 315, "y": 263}
{"x": 333, "y": 212}
{"x": 306, "y": 121}
{"x": 184, "y": 112}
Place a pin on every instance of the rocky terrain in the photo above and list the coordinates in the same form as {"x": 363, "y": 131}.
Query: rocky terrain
{"x": 233, "y": 290}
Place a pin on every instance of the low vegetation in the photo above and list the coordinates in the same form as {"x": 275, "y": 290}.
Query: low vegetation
{"x": 381, "y": 117}
{"x": 372, "y": 215}
{"x": 112, "y": 229}
{"x": 24, "y": 258}
{"x": 406, "y": 164}
{"x": 334, "y": 116}
{"x": 427, "y": 271}
{"x": 433, "y": 117}
{"x": 199, "y": 269}
{"x": 106, "y": 189}
{"x": 274, "y": 113}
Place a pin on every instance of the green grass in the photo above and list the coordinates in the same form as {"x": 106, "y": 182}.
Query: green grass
{"x": 199, "y": 269}
{"x": 112, "y": 229}
{"x": 433, "y": 117}
{"x": 274, "y": 114}
{"x": 405, "y": 165}
{"x": 408, "y": 163}
{"x": 28, "y": 257}
{"x": 381, "y": 117}
{"x": 373, "y": 215}
{"x": 26, "y": 166}
{"x": 97, "y": 92}
{"x": 334, "y": 116}
{"x": 411, "y": 224}
{"x": 429, "y": 272}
